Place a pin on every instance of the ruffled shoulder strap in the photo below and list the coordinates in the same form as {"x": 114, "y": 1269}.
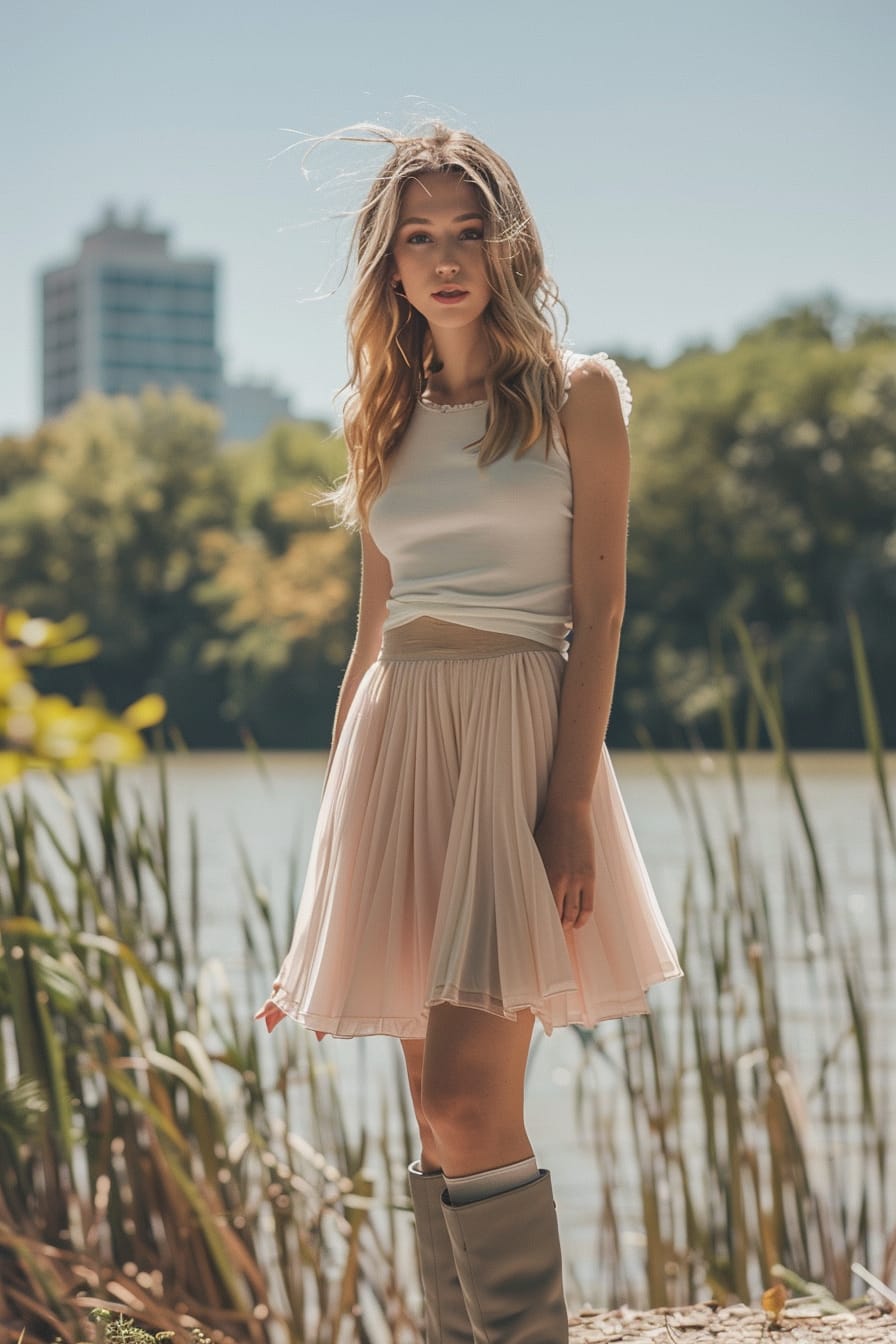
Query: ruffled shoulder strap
{"x": 573, "y": 360}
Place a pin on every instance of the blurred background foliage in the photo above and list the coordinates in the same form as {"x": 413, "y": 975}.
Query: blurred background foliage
{"x": 49, "y": 732}
{"x": 763, "y": 487}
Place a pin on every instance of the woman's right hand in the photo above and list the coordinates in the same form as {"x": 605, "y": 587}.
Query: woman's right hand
{"x": 271, "y": 1013}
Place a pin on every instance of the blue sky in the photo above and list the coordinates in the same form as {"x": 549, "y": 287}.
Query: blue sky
{"x": 691, "y": 166}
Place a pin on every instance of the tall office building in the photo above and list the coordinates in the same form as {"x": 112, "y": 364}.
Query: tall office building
{"x": 126, "y": 313}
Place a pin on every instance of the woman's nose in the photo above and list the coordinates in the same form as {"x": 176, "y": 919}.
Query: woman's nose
{"x": 446, "y": 264}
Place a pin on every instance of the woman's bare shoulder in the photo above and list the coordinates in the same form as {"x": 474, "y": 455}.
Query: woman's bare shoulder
{"x": 593, "y": 379}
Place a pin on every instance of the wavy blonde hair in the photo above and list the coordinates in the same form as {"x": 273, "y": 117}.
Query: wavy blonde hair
{"x": 389, "y": 342}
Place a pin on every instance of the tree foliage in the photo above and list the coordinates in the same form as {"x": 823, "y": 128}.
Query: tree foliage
{"x": 764, "y": 486}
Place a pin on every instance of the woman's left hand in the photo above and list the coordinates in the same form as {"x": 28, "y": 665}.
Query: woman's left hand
{"x": 565, "y": 839}
{"x": 272, "y": 1015}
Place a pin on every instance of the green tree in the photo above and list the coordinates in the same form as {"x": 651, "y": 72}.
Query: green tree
{"x": 104, "y": 514}
{"x": 283, "y": 587}
{"x": 764, "y": 485}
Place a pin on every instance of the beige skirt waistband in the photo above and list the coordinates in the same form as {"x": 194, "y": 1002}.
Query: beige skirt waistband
{"x": 429, "y": 637}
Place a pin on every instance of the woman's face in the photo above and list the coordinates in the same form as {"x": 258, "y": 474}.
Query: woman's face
{"x": 438, "y": 246}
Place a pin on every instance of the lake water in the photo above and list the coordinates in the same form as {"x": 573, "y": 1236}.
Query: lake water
{"x": 273, "y": 812}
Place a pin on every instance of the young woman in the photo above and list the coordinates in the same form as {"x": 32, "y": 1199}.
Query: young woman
{"x": 473, "y": 867}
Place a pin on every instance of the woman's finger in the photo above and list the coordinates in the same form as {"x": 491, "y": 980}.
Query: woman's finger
{"x": 560, "y": 894}
{"x": 586, "y": 905}
{"x": 571, "y": 907}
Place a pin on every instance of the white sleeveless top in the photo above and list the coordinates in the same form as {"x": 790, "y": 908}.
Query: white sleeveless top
{"x": 490, "y": 548}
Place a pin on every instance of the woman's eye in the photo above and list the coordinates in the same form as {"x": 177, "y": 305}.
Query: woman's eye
{"x": 414, "y": 237}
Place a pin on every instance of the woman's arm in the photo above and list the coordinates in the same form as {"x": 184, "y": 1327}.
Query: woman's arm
{"x": 376, "y": 585}
{"x": 598, "y": 447}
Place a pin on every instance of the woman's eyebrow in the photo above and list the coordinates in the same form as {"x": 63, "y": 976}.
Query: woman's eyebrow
{"x": 418, "y": 219}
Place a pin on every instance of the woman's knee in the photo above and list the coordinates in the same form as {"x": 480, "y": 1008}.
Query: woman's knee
{"x": 474, "y": 1067}
{"x": 450, "y": 1108}
{"x": 469, "y": 1097}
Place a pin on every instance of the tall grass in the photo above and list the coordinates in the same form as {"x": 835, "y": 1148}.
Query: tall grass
{"x": 760, "y": 1108}
{"x": 144, "y": 1158}
{"x": 156, "y": 1149}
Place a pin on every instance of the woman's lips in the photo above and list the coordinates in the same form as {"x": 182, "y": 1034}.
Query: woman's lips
{"x": 451, "y": 298}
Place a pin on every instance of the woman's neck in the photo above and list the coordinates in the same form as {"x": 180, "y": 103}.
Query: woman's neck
{"x": 464, "y": 364}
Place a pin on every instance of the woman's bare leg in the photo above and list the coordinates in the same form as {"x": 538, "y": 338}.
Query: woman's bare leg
{"x": 413, "y": 1058}
{"x": 471, "y": 1088}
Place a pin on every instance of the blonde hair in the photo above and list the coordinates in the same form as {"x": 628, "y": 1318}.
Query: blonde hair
{"x": 389, "y": 342}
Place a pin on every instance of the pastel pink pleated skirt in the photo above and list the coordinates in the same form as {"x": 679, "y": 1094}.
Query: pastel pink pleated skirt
{"x": 424, "y": 883}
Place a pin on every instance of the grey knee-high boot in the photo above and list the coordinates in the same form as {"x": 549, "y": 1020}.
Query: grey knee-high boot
{"x": 445, "y": 1312}
{"x": 508, "y": 1257}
